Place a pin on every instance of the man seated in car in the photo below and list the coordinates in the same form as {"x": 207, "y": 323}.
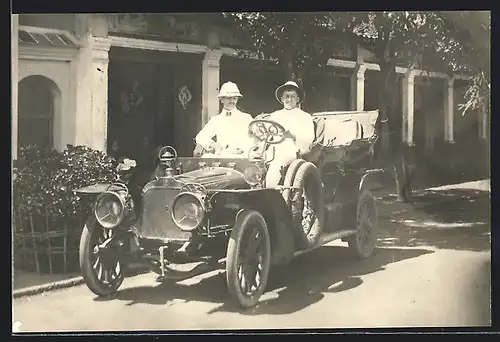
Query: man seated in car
{"x": 299, "y": 134}
{"x": 226, "y": 134}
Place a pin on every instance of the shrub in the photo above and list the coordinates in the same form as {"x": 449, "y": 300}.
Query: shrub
{"x": 44, "y": 179}
{"x": 44, "y": 203}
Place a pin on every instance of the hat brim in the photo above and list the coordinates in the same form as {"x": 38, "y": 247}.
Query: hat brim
{"x": 282, "y": 88}
{"x": 227, "y": 95}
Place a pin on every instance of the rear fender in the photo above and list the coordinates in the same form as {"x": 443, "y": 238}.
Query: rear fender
{"x": 352, "y": 183}
{"x": 271, "y": 205}
{"x": 348, "y": 191}
{"x": 369, "y": 174}
{"x": 348, "y": 187}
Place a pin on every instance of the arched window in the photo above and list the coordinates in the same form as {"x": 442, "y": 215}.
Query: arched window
{"x": 36, "y": 100}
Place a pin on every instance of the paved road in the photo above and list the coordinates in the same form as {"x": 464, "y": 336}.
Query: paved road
{"x": 443, "y": 279}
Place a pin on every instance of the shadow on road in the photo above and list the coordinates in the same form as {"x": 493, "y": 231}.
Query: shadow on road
{"x": 457, "y": 219}
{"x": 329, "y": 269}
{"x": 209, "y": 289}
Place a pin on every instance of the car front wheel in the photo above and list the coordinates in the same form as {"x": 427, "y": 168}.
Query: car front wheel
{"x": 248, "y": 258}
{"x": 102, "y": 272}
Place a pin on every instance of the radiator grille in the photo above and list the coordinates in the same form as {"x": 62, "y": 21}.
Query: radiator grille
{"x": 156, "y": 222}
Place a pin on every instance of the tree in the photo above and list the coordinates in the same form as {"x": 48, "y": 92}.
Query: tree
{"x": 427, "y": 40}
{"x": 472, "y": 55}
{"x": 298, "y": 42}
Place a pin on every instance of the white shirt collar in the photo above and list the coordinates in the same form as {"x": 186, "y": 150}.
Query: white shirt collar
{"x": 232, "y": 112}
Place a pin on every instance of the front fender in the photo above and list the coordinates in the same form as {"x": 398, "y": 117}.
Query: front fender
{"x": 91, "y": 192}
{"x": 272, "y": 206}
{"x": 95, "y": 189}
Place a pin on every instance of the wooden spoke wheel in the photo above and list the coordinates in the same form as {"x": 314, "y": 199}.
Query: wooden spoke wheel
{"x": 364, "y": 242}
{"x": 248, "y": 258}
{"x": 102, "y": 272}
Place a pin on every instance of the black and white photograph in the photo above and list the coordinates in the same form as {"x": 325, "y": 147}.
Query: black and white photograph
{"x": 234, "y": 171}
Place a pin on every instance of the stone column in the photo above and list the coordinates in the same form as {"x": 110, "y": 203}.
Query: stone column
{"x": 449, "y": 110}
{"x": 408, "y": 106}
{"x": 358, "y": 82}
{"x": 358, "y": 87}
{"x": 210, "y": 84}
{"x": 484, "y": 121}
{"x": 91, "y": 87}
{"x": 449, "y": 115}
{"x": 100, "y": 61}
{"x": 14, "y": 26}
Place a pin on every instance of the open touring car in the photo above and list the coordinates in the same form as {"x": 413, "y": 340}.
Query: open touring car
{"x": 217, "y": 213}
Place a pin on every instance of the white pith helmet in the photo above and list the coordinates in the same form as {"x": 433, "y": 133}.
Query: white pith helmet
{"x": 229, "y": 89}
{"x": 289, "y": 85}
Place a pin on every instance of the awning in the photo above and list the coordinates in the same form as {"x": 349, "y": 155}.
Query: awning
{"x": 46, "y": 37}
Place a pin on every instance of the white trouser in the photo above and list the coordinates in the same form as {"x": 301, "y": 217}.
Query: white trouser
{"x": 284, "y": 154}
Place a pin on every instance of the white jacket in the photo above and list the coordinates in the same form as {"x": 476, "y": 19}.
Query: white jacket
{"x": 300, "y": 124}
{"x": 231, "y": 131}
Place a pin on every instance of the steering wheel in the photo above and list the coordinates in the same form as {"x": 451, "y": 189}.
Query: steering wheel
{"x": 266, "y": 130}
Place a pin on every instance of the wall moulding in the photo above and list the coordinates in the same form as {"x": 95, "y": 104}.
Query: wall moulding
{"x": 67, "y": 54}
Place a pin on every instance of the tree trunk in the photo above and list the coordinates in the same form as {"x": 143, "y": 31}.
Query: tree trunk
{"x": 394, "y": 152}
{"x": 293, "y": 73}
{"x": 403, "y": 175}
{"x": 288, "y": 67}
{"x": 383, "y": 121}
{"x": 385, "y": 125}
{"x": 300, "y": 78}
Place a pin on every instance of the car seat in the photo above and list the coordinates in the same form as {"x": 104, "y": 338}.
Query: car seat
{"x": 314, "y": 153}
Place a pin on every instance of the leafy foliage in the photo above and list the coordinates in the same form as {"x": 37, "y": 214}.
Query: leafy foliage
{"x": 453, "y": 42}
{"x": 478, "y": 93}
{"x": 44, "y": 179}
{"x": 401, "y": 37}
{"x": 474, "y": 55}
{"x": 296, "y": 41}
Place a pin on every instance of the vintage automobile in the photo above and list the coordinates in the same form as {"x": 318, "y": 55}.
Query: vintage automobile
{"x": 217, "y": 213}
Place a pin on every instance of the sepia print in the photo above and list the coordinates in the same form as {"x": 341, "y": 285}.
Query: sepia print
{"x": 250, "y": 170}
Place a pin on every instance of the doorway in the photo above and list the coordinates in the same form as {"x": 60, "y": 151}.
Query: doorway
{"x": 140, "y": 104}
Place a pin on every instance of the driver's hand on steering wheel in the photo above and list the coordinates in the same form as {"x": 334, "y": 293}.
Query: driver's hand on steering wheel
{"x": 288, "y": 134}
{"x": 234, "y": 150}
{"x": 216, "y": 148}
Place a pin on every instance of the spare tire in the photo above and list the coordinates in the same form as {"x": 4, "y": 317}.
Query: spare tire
{"x": 289, "y": 176}
{"x": 307, "y": 206}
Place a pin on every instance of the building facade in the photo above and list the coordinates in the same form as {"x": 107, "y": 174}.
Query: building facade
{"x": 91, "y": 79}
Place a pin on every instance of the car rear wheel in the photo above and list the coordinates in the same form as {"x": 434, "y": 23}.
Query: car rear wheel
{"x": 364, "y": 242}
{"x": 248, "y": 258}
{"x": 307, "y": 206}
{"x": 102, "y": 272}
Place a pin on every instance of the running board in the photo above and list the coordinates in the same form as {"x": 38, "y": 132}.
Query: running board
{"x": 326, "y": 238}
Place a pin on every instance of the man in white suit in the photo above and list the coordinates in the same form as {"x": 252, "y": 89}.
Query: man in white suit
{"x": 226, "y": 134}
{"x": 299, "y": 128}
